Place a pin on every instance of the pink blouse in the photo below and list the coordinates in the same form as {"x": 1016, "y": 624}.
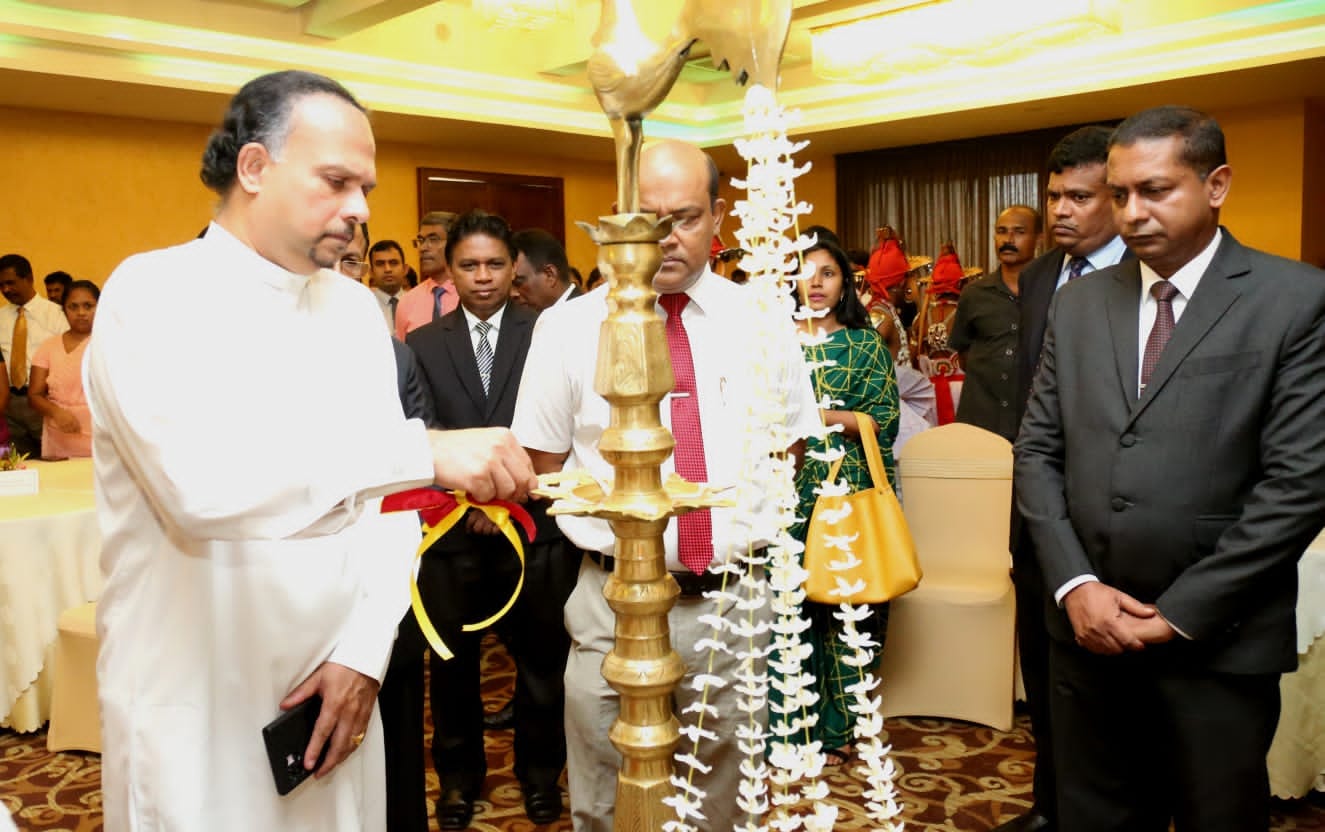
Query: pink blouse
{"x": 64, "y": 387}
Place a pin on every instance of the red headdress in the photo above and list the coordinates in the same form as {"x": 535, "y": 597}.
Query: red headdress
{"x": 948, "y": 274}
{"x": 888, "y": 267}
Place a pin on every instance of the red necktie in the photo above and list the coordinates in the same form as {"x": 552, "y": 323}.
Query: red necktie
{"x": 695, "y": 528}
{"x": 1164, "y": 293}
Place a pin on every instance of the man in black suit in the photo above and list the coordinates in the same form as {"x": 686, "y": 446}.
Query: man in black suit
{"x": 542, "y": 280}
{"x": 1171, "y": 471}
{"x": 472, "y": 359}
{"x": 542, "y": 272}
{"x": 1080, "y": 210}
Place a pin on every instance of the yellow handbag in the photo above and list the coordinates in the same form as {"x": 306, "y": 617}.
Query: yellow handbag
{"x": 874, "y": 530}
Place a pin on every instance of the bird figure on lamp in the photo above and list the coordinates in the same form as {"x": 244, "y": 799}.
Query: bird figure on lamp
{"x": 631, "y": 71}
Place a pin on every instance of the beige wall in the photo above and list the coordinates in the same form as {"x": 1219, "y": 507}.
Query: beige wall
{"x": 1313, "y": 185}
{"x": 1267, "y": 151}
{"x": 84, "y": 192}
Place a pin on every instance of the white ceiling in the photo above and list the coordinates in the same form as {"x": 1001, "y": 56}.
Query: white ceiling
{"x": 434, "y": 72}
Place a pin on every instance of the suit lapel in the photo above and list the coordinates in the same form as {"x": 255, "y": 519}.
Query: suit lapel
{"x": 1216, "y": 292}
{"x": 513, "y": 325}
{"x": 1122, "y": 308}
{"x": 461, "y": 348}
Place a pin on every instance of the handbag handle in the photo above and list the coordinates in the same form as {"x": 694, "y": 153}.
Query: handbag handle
{"x": 873, "y": 457}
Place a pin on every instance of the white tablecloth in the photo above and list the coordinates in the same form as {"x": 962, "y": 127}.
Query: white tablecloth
{"x": 49, "y": 550}
{"x": 1297, "y": 756}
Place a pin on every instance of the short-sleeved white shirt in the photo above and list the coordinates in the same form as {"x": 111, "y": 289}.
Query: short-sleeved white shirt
{"x": 558, "y": 411}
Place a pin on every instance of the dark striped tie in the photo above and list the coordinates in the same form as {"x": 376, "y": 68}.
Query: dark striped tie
{"x": 483, "y": 354}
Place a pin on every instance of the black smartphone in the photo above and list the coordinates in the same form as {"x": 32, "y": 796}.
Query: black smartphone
{"x": 287, "y": 737}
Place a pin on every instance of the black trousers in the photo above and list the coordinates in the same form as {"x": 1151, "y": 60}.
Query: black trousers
{"x": 1033, "y": 652}
{"x": 1145, "y": 738}
{"x": 465, "y": 586}
{"x": 401, "y": 703}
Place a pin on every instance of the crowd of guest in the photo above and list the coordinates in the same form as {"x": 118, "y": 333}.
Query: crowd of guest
{"x": 497, "y": 337}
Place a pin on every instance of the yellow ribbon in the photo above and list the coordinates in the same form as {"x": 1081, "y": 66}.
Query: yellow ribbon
{"x": 501, "y": 517}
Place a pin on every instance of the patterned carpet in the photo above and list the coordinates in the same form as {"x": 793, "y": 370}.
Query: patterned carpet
{"x": 955, "y": 776}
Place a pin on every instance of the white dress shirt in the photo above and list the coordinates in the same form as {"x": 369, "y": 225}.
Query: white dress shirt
{"x": 45, "y": 320}
{"x": 1185, "y": 281}
{"x": 1101, "y": 258}
{"x": 565, "y": 296}
{"x": 558, "y": 411}
{"x": 471, "y": 321}
{"x": 384, "y": 300}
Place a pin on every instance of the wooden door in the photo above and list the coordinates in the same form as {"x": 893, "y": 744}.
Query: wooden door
{"x": 523, "y": 201}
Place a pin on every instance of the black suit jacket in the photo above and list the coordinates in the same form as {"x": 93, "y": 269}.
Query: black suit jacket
{"x": 415, "y": 397}
{"x": 446, "y": 358}
{"x": 1036, "y": 285}
{"x": 1200, "y": 495}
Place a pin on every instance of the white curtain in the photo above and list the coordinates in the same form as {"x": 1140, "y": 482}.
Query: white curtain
{"x": 939, "y": 192}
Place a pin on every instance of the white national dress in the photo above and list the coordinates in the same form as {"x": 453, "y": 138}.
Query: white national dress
{"x": 245, "y": 420}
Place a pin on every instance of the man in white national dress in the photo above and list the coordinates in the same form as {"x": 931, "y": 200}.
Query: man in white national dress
{"x": 248, "y": 566}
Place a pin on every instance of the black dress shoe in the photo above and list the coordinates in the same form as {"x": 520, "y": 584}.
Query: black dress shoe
{"x": 1032, "y": 821}
{"x": 500, "y": 720}
{"x": 542, "y": 803}
{"x": 454, "y": 810}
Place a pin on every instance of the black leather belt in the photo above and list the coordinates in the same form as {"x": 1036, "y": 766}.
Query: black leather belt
{"x": 690, "y": 583}
{"x": 19, "y": 391}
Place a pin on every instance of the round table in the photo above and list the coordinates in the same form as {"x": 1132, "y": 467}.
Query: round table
{"x": 49, "y": 549}
{"x": 1297, "y": 756}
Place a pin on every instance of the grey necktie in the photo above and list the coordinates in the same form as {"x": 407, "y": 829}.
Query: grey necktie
{"x": 483, "y": 354}
{"x": 393, "y": 303}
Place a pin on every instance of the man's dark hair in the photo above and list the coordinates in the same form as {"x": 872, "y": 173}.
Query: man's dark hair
{"x": 62, "y": 278}
{"x": 542, "y": 249}
{"x": 1084, "y": 146}
{"x": 850, "y": 312}
{"x": 824, "y": 234}
{"x": 22, "y": 268}
{"x": 1202, "y": 138}
{"x": 859, "y": 257}
{"x": 91, "y": 287}
{"x": 474, "y": 222}
{"x": 386, "y": 245}
{"x": 260, "y": 112}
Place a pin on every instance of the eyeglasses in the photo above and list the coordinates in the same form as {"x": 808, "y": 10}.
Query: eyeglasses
{"x": 351, "y": 266}
{"x": 433, "y": 240}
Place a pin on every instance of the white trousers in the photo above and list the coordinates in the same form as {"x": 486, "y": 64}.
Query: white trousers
{"x": 591, "y": 706}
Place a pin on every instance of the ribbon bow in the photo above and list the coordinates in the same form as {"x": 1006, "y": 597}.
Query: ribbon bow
{"x": 440, "y": 511}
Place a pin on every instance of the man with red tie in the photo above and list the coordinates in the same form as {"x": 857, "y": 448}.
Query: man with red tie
{"x": 559, "y": 419}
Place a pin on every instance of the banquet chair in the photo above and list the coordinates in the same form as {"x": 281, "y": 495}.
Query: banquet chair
{"x": 950, "y": 646}
{"x": 75, "y": 712}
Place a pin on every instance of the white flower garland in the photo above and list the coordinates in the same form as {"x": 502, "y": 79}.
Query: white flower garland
{"x": 773, "y": 757}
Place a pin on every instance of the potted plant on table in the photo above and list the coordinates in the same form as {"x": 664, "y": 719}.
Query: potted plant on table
{"x": 15, "y": 476}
